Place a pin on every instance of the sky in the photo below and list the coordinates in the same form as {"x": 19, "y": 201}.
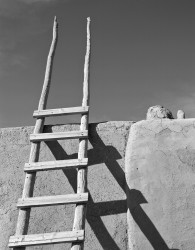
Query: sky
{"x": 142, "y": 54}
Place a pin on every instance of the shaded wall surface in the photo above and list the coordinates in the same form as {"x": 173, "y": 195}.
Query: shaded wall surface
{"x": 160, "y": 173}
{"x": 106, "y": 214}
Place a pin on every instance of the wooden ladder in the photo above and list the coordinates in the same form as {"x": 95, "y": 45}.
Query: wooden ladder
{"x": 76, "y": 236}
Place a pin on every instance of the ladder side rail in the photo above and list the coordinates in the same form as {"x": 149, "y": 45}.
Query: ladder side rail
{"x": 80, "y": 210}
{"x": 24, "y": 214}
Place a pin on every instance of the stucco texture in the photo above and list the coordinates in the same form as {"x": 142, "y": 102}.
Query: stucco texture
{"x": 160, "y": 174}
{"x": 106, "y": 224}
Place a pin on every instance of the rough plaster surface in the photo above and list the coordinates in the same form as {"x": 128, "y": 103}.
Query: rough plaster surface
{"x": 106, "y": 226}
{"x": 160, "y": 174}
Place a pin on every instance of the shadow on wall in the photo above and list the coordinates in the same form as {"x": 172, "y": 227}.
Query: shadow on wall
{"x": 108, "y": 155}
{"x": 143, "y": 221}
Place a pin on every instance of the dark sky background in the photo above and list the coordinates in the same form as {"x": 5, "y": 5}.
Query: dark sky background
{"x": 143, "y": 54}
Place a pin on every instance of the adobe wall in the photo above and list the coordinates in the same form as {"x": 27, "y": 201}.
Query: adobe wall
{"x": 106, "y": 215}
{"x": 160, "y": 172}
{"x": 160, "y": 176}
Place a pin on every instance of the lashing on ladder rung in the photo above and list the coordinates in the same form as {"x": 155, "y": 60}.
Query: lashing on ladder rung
{"x": 53, "y": 200}
{"x": 46, "y": 238}
{"x": 55, "y": 165}
{"x": 58, "y": 136}
{"x": 61, "y": 111}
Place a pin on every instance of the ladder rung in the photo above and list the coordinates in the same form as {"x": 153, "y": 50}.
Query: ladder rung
{"x": 52, "y": 200}
{"x": 61, "y": 111}
{"x": 54, "y": 165}
{"x": 58, "y": 136}
{"x": 46, "y": 238}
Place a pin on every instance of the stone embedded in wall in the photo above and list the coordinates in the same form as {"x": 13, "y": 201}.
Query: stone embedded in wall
{"x": 158, "y": 112}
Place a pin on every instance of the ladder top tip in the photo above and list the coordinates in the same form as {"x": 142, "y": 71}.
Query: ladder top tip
{"x": 88, "y": 19}
{"x": 55, "y": 19}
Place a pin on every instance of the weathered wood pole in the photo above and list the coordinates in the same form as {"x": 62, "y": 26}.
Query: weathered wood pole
{"x": 80, "y": 210}
{"x": 24, "y": 214}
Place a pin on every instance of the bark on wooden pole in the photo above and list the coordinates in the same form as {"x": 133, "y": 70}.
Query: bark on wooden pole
{"x": 80, "y": 210}
{"x": 24, "y": 214}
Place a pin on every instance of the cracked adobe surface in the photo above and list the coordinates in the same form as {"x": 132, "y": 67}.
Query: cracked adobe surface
{"x": 160, "y": 169}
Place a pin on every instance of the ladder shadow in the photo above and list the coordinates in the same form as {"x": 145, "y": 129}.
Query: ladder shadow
{"x": 99, "y": 209}
{"x": 108, "y": 155}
